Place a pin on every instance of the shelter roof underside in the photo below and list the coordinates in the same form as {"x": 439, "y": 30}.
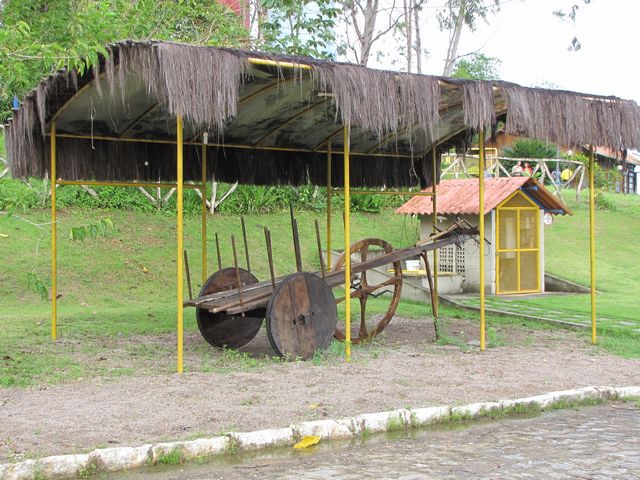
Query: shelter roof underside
{"x": 277, "y": 109}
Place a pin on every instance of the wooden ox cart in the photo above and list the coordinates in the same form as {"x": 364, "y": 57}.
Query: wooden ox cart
{"x": 300, "y": 309}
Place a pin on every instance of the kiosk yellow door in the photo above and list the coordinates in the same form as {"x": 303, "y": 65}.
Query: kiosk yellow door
{"x": 518, "y": 246}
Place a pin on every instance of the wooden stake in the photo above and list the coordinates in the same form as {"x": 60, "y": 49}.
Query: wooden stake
{"x": 267, "y": 237}
{"x": 186, "y": 268}
{"x": 235, "y": 264}
{"x": 319, "y": 249}
{"x": 218, "y": 250}
{"x": 246, "y": 244}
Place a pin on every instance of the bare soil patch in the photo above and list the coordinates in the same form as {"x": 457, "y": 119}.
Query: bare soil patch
{"x": 249, "y": 390}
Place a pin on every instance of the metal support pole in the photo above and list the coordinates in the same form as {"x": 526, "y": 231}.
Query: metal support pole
{"x": 481, "y": 228}
{"x": 205, "y": 139}
{"x": 592, "y": 242}
{"x": 329, "y": 193}
{"x": 179, "y": 258}
{"x": 434, "y": 231}
{"x": 347, "y": 245}
{"x": 54, "y": 237}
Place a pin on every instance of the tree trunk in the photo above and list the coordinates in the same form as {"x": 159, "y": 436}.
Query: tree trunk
{"x": 452, "y": 51}
{"x": 418, "y": 42}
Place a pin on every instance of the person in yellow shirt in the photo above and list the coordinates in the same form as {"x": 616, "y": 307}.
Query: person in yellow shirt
{"x": 566, "y": 174}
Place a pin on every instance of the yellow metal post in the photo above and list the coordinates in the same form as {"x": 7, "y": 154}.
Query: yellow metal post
{"x": 481, "y": 228}
{"x": 54, "y": 238}
{"x": 329, "y": 193}
{"x": 435, "y": 230}
{"x": 592, "y": 242}
{"x": 205, "y": 138}
{"x": 347, "y": 245}
{"x": 179, "y": 253}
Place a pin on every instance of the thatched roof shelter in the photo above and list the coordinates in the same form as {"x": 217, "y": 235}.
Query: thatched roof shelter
{"x": 271, "y": 123}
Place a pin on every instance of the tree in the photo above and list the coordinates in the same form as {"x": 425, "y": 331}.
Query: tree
{"x": 570, "y": 15}
{"x": 477, "y": 66}
{"x": 297, "y": 27}
{"x": 38, "y": 37}
{"x": 530, "y": 148}
{"x": 455, "y": 15}
{"x": 361, "y": 25}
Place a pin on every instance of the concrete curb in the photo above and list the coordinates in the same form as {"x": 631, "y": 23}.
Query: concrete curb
{"x": 126, "y": 458}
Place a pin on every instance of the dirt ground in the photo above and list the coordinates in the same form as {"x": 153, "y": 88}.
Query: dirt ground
{"x": 405, "y": 368}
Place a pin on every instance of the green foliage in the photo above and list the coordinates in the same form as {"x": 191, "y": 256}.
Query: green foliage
{"x": 37, "y": 286}
{"x": 299, "y": 27}
{"x": 39, "y": 37}
{"x": 17, "y": 196}
{"x": 92, "y": 230}
{"x": 531, "y": 148}
{"x": 477, "y": 67}
{"x": 174, "y": 457}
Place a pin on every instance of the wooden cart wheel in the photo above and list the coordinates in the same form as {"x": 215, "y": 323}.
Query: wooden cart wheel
{"x": 362, "y": 289}
{"x": 301, "y": 316}
{"x": 220, "y": 329}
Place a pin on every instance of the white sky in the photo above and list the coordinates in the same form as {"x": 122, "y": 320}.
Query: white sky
{"x": 532, "y": 44}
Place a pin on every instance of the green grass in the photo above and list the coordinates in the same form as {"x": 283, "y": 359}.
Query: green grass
{"x": 617, "y": 271}
{"x": 120, "y": 288}
{"x": 122, "y": 285}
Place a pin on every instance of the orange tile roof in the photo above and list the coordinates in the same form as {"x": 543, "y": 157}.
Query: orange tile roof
{"x": 460, "y": 197}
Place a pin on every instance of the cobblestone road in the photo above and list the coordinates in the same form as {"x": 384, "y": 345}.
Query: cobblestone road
{"x": 590, "y": 443}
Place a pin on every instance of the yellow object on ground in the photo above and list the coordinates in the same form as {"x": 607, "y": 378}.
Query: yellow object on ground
{"x": 307, "y": 441}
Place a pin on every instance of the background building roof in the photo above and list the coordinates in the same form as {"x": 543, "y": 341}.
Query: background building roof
{"x": 460, "y": 197}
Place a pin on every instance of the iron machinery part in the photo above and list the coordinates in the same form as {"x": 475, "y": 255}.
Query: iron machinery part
{"x": 301, "y": 316}
{"x": 221, "y": 329}
{"x": 362, "y": 289}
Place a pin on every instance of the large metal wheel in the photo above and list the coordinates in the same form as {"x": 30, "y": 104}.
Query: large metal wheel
{"x": 301, "y": 316}
{"x": 362, "y": 289}
{"x": 220, "y": 329}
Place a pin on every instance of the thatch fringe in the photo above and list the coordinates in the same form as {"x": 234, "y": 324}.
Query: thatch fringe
{"x": 203, "y": 83}
{"x": 571, "y": 119}
{"x": 478, "y": 102}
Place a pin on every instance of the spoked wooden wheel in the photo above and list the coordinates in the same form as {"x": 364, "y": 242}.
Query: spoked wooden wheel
{"x": 221, "y": 329}
{"x": 362, "y": 288}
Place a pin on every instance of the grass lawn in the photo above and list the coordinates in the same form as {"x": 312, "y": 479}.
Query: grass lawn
{"x": 617, "y": 271}
{"x": 122, "y": 285}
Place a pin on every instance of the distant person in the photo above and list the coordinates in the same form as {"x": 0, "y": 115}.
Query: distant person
{"x": 516, "y": 170}
{"x": 555, "y": 175}
{"x": 527, "y": 169}
{"x": 566, "y": 174}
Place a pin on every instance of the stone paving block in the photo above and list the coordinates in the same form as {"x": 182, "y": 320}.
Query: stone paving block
{"x": 202, "y": 447}
{"x": 63, "y": 466}
{"x": 325, "y": 429}
{"x": 25, "y": 470}
{"x": 275, "y": 437}
{"x": 121, "y": 458}
{"x": 427, "y": 416}
{"x": 475, "y": 410}
{"x": 628, "y": 391}
{"x": 383, "y": 421}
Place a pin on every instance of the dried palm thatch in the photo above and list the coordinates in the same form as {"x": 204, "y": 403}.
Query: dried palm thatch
{"x": 203, "y": 85}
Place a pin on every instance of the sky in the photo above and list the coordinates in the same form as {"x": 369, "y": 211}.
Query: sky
{"x": 533, "y": 45}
